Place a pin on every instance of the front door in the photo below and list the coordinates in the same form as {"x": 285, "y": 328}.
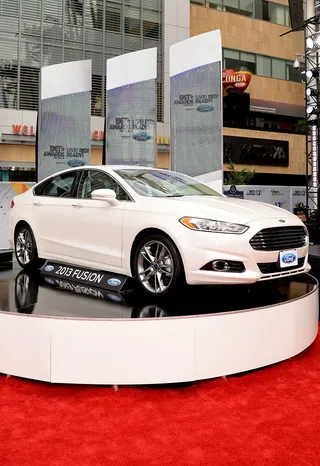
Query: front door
{"x": 96, "y": 225}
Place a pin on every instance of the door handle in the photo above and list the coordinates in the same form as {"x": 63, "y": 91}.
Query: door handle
{"x": 77, "y": 206}
{"x": 36, "y": 204}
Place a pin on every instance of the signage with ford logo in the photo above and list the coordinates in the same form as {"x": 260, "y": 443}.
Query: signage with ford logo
{"x": 288, "y": 258}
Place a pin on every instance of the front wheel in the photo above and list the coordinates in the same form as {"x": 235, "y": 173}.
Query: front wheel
{"x": 26, "y": 248}
{"x": 157, "y": 265}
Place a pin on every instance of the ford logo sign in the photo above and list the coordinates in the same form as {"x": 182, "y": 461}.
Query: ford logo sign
{"x": 289, "y": 258}
{"x": 76, "y": 163}
{"x": 205, "y": 108}
{"x": 114, "y": 282}
{"x": 49, "y": 268}
{"x": 141, "y": 136}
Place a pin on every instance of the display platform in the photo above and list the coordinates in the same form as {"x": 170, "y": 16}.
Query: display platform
{"x": 59, "y": 331}
{"x": 6, "y": 257}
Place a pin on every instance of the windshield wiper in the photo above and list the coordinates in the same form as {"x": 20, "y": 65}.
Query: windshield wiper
{"x": 175, "y": 195}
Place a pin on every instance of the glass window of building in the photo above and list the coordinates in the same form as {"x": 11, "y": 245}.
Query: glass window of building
{"x": 260, "y": 9}
{"x": 231, "y": 58}
{"x": 36, "y": 33}
{"x": 263, "y": 66}
{"x": 9, "y": 7}
{"x": 279, "y": 68}
{"x": 277, "y": 13}
{"x": 246, "y": 8}
{"x": 231, "y": 6}
{"x": 8, "y": 70}
{"x": 216, "y": 4}
{"x": 248, "y": 62}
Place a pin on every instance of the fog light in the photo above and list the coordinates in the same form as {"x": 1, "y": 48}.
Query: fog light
{"x": 220, "y": 266}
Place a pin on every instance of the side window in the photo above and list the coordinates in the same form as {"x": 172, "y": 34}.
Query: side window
{"x": 38, "y": 190}
{"x": 95, "y": 179}
{"x": 60, "y": 186}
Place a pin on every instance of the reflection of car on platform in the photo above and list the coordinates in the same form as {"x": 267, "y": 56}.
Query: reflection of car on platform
{"x": 141, "y": 136}
{"x": 161, "y": 227}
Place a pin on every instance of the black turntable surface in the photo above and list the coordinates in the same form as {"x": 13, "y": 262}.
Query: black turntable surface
{"x": 39, "y": 295}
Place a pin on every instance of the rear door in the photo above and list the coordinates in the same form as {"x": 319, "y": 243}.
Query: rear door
{"x": 52, "y": 214}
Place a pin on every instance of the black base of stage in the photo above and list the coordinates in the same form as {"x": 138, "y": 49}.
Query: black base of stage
{"x": 40, "y": 295}
{"x": 6, "y": 258}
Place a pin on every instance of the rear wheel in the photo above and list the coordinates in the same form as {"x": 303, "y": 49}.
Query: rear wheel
{"x": 26, "y": 248}
{"x": 157, "y": 265}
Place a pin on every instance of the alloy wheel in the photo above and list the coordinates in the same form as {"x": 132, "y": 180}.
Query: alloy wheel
{"x": 155, "y": 267}
{"x": 24, "y": 246}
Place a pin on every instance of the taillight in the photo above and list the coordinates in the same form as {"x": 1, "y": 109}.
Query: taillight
{"x": 12, "y": 204}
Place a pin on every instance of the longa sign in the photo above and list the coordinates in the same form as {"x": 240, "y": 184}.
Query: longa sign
{"x": 238, "y": 80}
{"x": 24, "y": 130}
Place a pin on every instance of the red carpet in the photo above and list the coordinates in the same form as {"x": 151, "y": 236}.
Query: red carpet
{"x": 269, "y": 417}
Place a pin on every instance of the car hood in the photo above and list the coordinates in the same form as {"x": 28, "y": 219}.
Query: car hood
{"x": 220, "y": 208}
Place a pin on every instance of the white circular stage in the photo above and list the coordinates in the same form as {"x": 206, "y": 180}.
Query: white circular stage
{"x": 61, "y": 333}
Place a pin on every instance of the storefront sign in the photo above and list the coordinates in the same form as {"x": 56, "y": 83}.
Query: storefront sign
{"x": 96, "y": 135}
{"x": 255, "y": 151}
{"x": 237, "y": 80}
{"x": 277, "y": 108}
{"x": 24, "y": 130}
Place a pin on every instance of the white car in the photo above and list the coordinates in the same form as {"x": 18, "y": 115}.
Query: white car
{"x": 158, "y": 226}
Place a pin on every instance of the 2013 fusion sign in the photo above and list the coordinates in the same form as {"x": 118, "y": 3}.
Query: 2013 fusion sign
{"x": 86, "y": 277}
{"x": 255, "y": 151}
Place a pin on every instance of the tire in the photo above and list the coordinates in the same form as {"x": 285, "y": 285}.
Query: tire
{"x": 25, "y": 248}
{"x": 158, "y": 268}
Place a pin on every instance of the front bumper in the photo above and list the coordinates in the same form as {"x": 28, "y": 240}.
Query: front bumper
{"x": 200, "y": 248}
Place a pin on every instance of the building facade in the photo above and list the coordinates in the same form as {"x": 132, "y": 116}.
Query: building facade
{"x": 35, "y": 33}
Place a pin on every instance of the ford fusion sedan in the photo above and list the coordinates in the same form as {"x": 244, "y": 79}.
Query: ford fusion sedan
{"x": 161, "y": 227}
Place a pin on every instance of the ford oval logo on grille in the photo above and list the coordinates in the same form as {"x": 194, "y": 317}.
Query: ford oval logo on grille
{"x": 282, "y": 221}
{"x": 289, "y": 258}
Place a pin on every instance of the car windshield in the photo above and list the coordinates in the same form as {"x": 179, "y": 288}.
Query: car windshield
{"x": 157, "y": 183}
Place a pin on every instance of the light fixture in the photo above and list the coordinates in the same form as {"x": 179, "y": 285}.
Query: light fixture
{"x": 310, "y": 109}
{"x": 309, "y": 42}
{"x": 311, "y": 92}
{"x": 314, "y": 144}
{"x": 312, "y": 73}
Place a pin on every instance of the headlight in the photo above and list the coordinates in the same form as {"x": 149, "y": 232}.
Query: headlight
{"x": 203, "y": 224}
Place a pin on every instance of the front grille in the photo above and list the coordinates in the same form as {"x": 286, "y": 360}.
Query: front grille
{"x": 273, "y": 267}
{"x": 279, "y": 238}
{"x": 235, "y": 267}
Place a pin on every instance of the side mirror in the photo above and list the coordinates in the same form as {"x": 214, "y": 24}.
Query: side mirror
{"x": 107, "y": 195}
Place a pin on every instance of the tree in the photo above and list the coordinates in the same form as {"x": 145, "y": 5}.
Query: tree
{"x": 234, "y": 177}
{"x": 301, "y": 127}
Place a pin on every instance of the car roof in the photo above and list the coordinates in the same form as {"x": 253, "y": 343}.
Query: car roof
{"x": 122, "y": 167}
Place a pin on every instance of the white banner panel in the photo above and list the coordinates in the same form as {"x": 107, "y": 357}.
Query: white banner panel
{"x": 63, "y": 130}
{"x": 131, "y": 120}
{"x": 131, "y": 68}
{"x": 196, "y": 107}
{"x": 286, "y": 197}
